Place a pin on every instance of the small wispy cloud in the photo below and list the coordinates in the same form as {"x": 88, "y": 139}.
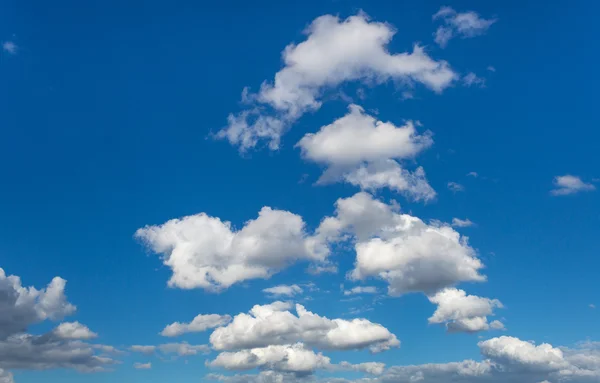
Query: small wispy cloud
{"x": 455, "y": 187}
{"x": 471, "y": 79}
{"x": 283, "y": 290}
{"x": 142, "y": 366}
{"x": 592, "y": 306}
{"x": 457, "y": 222}
{"x": 10, "y": 47}
{"x": 569, "y": 184}
{"x": 361, "y": 290}
{"x": 461, "y": 24}
{"x": 473, "y": 174}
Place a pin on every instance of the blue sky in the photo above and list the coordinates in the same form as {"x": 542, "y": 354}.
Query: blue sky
{"x": 115, "y": 119}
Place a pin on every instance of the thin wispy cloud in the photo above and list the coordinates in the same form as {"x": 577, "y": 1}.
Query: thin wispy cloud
{"x": 569, "y": 184}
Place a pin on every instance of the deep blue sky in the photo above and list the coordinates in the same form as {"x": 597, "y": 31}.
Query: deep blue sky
{"x": 106, "y": 111}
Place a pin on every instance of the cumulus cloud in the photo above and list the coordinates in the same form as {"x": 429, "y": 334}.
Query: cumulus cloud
{"x": 401, "y": 249}
{"x": 363, "y": 151}
{"x": 6, "y": 377}
{"x": 374, "y": 368}
{"x": 335, "y": 52}
{"x": 142, "y": 366}
{"x": 73, "y": 331}
{"x": 284, "y": 290}
{"x": 518, "y": 354}
{"x": 274, "y": 324}
{"x": 457, "y": 222}
{"x": 568, "y": 184}
{"x": 21, "y": 306}
{"x": 459, "y": 24}
{"x": 198, "y": 324}
{"x": 287, "y": 358}
{"x": 464, "y": 313}
{"x": 206, "y": 252}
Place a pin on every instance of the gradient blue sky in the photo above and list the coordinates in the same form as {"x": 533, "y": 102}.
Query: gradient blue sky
{"x": 107, "y": 109}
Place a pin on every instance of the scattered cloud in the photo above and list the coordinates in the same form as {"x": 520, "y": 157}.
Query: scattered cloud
{"x": 473, "y": 174}
{"x": 459, "y": 24}
{"x": 491, "y": 68}
{"x": 335, "y": 52}
{"x": 142, "y": 366}
{"x": 568, "y": 184}
{"x": 471, "y": 79}
{"x": 592, "y": 306}
{"x": 74, "y": 330}
{"x": 455, "y": 187}
{"x": 361, "y": 290}
{"x": 200, "y": 323}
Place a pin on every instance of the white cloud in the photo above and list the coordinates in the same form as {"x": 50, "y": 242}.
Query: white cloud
{"x": 10, "y": 47}
{"x": 457, "y": 222}
{"x": 462, "y": 24}
{"x": 512, "y": 351}
{"x": 401, "y": 249}
{"x": 142, "y": 366}
{"x": 288, "y": 358}
{"x": 21, "y": 306}
{"x": 374, "y": 368}
{"x": 455, "y": 187}
{"x": 364, "y": 151}
{"x": 464, "y": 313}
{"x": 592, "y": 306}
{"x": 205, "y": 252}
{"x": 274, "y": 325}
{"x": 283, "y": 290}
{"x": 183, "y": 349}
{"x": 568, "y": 184}
{"x": 361, "y": 290}
{"x": 334, "y": 52}
{"x": 73, "y": 331}
{"x": 473, "y": 174}
{"x": 6, "y": 377}
{"x": 198, "y": 324}
{"x": 143, "y": 349}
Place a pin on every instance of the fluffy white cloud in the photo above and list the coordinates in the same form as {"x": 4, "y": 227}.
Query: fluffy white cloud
{"x": 568, "y": 184}
{"x": 142, "y": 366}
{"x": 463, "y": 313}
{"x": 518, "y": 354}
{"x": 334, "y": 52}
{"x": 401, "y": 249}
{"x": 198, "y": 324}
{"x": 374, "y": 368}
{"x": 283, "y": 290}
{"x": 73, "y": 331}
{"x": 274, "y": 325}
{"x": 21, "y": 306}
{"x": 361, "y": 150}
{"x": 288, "y": 358}
{"x": 457, "y": 222}
{"x": 361, "y": 290}
{"x": 205, "y": 252}
{"x": 6, "y": 377}
{"x": 463, "y": 24}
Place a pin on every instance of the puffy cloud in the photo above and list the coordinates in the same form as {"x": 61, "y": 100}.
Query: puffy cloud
{"x": 455, "y": 187}
{"x": 401, "y": 249}
{"x": 74, "y": 331}
{"x": 142, "y": 366}
{"x": 361, "y": 290}
{"x": 6, "y": 377}
{"x": 463, "y": 24}
{"x": 206, "y": 252}
{"x": 335, "y": 51}
{"x": 287, "y": 358}
{"x": 457, "y": 222}
{"x": 568, "y": 184}
{"x": 283, "y": 290}
{"x": 464, "y": 313}
{"x": 274, "y": 325}
{"x": 518, "y": 354}
{"x": 361, "y": 150}
{"x": 198, "y": 324}
{"x": 374, "y": 368}
{"x": 24, "y": 351}
{"x": 21, "y": 306}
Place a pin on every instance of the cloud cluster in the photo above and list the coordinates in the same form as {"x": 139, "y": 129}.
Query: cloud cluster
{"x": 274, "y": 324}
{"x": 359, "y": 149}
{"x": 410, "y": 255}
{"x": 462, "y": 24}
{"x": 335, "y": 51}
